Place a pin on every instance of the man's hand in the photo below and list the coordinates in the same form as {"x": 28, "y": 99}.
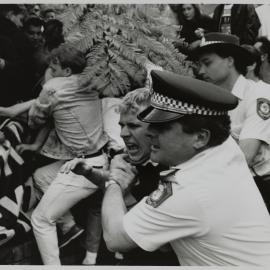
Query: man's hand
{"x": 26, "y": 147}
{"x": 122, "y": 172}
{"x": 195, "y": 44}
{"x": 180, "y": 43}
{"x": 199, "y": 32}
{"x": 77, "y": 166}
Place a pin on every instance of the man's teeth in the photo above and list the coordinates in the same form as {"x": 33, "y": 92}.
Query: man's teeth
{"x": 132, "y": 147}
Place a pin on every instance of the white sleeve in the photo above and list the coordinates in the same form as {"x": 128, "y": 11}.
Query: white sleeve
{"x": 178, "y": 216}
{"x": 255, "y": 127}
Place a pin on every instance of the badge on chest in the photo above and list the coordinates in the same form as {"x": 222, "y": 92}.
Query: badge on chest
{"x": 263, "y": 108}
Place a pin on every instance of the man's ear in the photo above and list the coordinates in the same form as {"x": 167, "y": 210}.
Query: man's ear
{"x": 68, "y": 71}
{"x": 230, "y": 60}
{"x": 251, "y": 67}
{"x": 202, "y": 140}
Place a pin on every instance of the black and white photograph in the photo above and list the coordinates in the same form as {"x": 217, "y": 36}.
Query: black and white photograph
{"x": 135, "y": 134}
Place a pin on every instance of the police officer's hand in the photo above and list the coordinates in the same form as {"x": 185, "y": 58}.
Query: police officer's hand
{"x": 120, "y": 161}
{"x": 123, "y": 172}
{"x": 77, "y": 166}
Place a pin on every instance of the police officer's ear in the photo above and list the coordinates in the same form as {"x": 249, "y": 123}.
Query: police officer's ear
{"x": 230, "y": 60}
{"x": 202, "y": 140}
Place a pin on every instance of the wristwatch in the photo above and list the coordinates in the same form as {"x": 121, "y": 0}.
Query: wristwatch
{"x": 110, "y": 182}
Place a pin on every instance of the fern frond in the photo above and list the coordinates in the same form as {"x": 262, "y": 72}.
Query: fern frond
{"x": 119, "y": 79}
{"x": 118, "y": 40}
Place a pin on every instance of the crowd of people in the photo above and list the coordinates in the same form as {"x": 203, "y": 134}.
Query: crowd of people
{"x": 179, "y": 169}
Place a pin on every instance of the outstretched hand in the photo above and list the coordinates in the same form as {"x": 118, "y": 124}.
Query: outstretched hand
{"x": 77, "y": 166}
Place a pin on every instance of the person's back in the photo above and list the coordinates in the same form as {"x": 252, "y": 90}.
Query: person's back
{"x": 240, "y": 20}
{"x": 77, "y": 115}
{"x": 76, "y": 111}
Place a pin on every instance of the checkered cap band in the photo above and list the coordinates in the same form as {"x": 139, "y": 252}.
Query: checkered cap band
{"x": 162, "y": 102}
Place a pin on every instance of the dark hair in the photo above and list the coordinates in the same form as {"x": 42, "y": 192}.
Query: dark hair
{"x": 256, "y": 57}
{"x": 180, "y": 16}
{"x": 33, "y": 20}
{"x": 68, "y": 56}
{"x": 238, "y": 61}
{"x": 219, "y": 126}
{"x": 16, "y": 9}
{"x": 53, "y": 34}
{"x": 265, "y": 47}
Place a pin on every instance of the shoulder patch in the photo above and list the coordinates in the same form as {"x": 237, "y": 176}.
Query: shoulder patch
{"x": 161, "y": 194}
{"x": 263, "y": 108}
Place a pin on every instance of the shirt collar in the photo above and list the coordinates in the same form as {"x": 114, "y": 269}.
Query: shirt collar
{"x": 149, "y": 162}
{"x": 239, "y": 87}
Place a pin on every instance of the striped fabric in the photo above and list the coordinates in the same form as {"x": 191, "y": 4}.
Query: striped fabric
{"x": 12, "y": 221}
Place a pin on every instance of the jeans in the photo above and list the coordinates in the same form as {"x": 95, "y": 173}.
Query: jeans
{"x": 64, "y": 192}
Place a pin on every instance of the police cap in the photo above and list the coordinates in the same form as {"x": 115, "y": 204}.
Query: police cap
{"x": 225, "y": 42}
{"x": 174, "y": 96}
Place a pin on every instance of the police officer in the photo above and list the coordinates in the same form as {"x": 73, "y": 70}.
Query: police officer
{"x": 199, "y": 206}
{"x": 223, "y": 62}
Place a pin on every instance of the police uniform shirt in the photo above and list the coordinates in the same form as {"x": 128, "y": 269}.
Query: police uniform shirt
{"x": 250, "y": 119}
{"x": 215, "y": 181}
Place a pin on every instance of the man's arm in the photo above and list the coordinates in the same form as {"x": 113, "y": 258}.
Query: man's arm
{"x": 123, "y": 175}
{"x": 16, "y": 109}
{"x": 250, "y": 148}
{"x": 113, "y": 211}
{"x": 79, "y": 166}
{"x": 39, "y": 141}
{"x": 40, "y": 109}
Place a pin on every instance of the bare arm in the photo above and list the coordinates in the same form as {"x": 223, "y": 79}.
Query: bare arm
{"x": 36, "y": 146}
{"x": 113, "y": 211}
{"x": 42, "y": 136}
{"x": 16, "y": 109}
{"x": 250, "y": 148}
{"x": 79, "y": 166}
{"x": 114, "y": 207}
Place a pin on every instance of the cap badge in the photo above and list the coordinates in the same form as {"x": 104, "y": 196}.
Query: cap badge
{"x": 208, "y": 42}
{"x": 263, "y": 108}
